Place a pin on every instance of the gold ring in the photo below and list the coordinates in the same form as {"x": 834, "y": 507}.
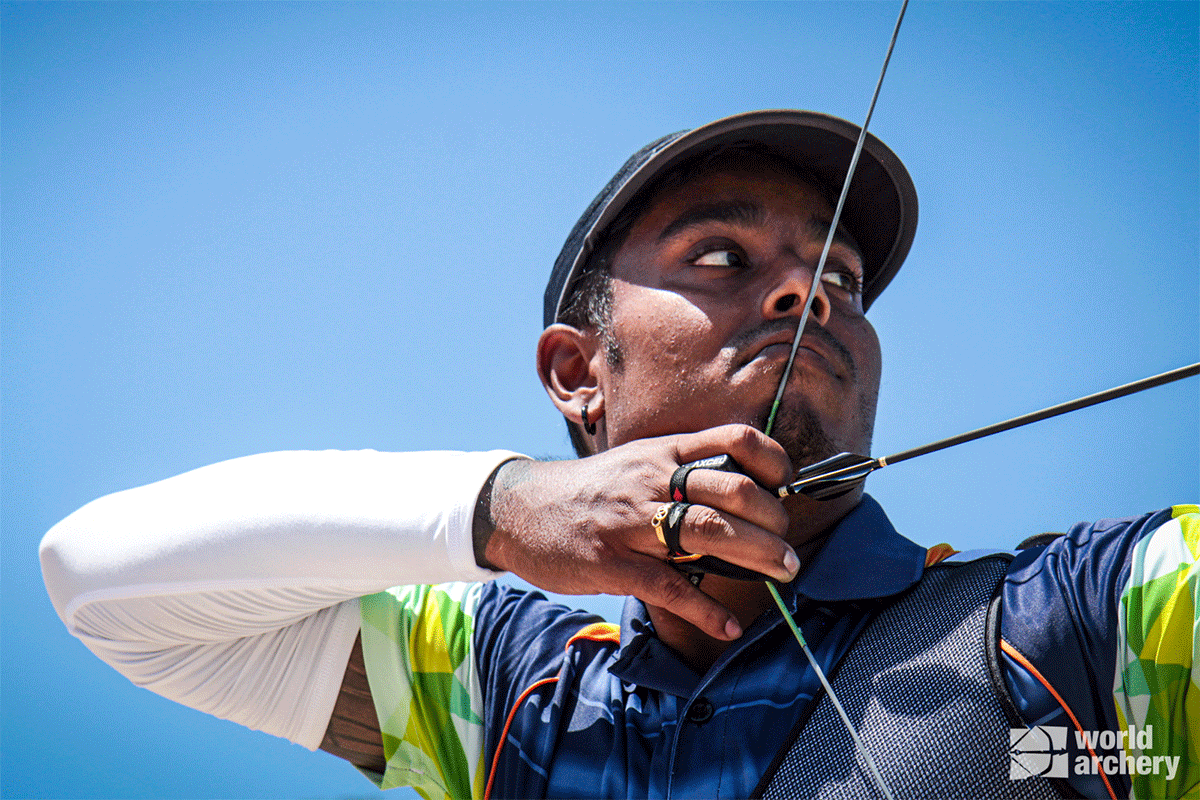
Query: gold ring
{"x": 657, "y": 521}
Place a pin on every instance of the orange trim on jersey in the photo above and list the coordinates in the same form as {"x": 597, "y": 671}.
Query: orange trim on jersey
{"x": 597, "y": 632}
{"x": 504, "y": 735}
{"x": 939, "y": 552}
{"x": 1015, "y": 655}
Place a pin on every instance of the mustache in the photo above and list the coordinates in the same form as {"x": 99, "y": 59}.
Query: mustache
{"x": 749, "y": 339}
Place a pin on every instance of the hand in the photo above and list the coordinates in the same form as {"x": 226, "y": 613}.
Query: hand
{"x": 583, "y": 527}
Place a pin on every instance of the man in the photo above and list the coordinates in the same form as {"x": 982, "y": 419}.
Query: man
{"x": 253, "y": 589}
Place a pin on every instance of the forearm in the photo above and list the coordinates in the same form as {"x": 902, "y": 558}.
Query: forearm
{"x": 494, "y": 500}
{"x": 342, "y": 523}
{"x": 231, "y": 588}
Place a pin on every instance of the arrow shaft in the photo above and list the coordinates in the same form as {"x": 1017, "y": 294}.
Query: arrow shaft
{"x": 818, "y": 485}
{"x": 1046, "y": 413}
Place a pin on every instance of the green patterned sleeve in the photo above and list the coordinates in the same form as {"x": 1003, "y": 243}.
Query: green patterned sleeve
{"x": 417, "y": 645}
{"x": 1158, "y": 661}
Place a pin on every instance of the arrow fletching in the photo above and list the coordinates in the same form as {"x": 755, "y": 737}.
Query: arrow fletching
{"x": 832, "y": 477}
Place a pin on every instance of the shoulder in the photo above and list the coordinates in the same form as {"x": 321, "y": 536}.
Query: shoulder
{"x": 500, "y": 623}
{"x": 448, "y": 662}
{"x": 1097, "y": 621}
{"x": 1091, "y": 563}
{"x": 1062, "y": 600}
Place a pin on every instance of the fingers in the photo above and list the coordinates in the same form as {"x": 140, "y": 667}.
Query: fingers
{"x": 740, "y": 496}
{"x": 763, "y": 458}
{"x": 660, "y": 585}
{"x": 600, "y": 508}
{"x": 707, "y": 531}
{"x": 733, "y": 518}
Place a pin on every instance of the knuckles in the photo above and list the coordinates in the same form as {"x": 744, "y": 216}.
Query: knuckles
{"x": 708, "y": 524}
{"x": 739, "y": 488}
{"x": 747, "y": 439}
{"x": 668, "y": 587}
{"x": 756, "y": 449}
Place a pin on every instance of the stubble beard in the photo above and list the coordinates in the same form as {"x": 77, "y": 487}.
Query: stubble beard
{"x": 805, "y": 438}
{"x": 802, "y": 435}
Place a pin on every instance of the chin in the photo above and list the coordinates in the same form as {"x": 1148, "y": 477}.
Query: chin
{"x": 806, "y": 439}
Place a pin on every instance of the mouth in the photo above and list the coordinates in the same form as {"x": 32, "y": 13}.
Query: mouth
{"x": 810, "y": 351}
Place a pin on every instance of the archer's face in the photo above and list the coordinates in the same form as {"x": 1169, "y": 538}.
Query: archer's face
{"x": 708, "y": 290}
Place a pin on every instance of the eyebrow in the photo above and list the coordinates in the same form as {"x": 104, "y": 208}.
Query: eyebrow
{"x": 820, "y": 228}
{"x": 733, "y": 211}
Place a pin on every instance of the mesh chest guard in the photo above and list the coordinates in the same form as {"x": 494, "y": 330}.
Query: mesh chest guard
{"x": 918, "y": 685}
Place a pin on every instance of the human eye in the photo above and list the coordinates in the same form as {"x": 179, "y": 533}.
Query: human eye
{"x": 721, "y": 257}
{"x": 844, "y": 279}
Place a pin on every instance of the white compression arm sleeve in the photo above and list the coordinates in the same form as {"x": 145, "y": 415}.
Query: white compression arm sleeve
{"x": 233, "y": 588}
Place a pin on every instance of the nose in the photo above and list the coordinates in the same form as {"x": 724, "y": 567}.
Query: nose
{"x": 788, "y": 295}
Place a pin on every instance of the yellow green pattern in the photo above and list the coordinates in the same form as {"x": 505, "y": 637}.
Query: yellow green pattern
{"x": 417, "y": 648}
{"x": 1158, "y": 670}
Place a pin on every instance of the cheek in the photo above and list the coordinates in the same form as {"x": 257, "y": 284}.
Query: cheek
{"x": 870, "y": 366}
{"x": 660, "y": 334}
{"x": 872, "y": 357}
{"x": 668, "y": 349}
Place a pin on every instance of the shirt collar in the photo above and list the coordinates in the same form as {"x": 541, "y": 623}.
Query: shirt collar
{"x": 863, "y": 558}
{"x": 644, "y": 660}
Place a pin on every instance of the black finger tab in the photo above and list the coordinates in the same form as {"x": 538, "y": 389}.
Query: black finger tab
{"x": 671, "y": 528}
{"x": 696, "y": 566}
{"x": 721, "y": 463}
{"x": 714, "y": 565}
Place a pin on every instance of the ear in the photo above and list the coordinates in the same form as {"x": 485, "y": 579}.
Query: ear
{"x": 567, "y": 364}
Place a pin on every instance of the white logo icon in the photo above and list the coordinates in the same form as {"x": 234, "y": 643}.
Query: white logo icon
{"x": 1040, "y": 750}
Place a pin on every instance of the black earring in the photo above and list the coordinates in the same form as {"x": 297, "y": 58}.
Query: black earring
{"x": 590, "y": 427}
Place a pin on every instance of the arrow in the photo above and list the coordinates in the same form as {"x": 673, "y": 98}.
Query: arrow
{"x": 835, "y": 476}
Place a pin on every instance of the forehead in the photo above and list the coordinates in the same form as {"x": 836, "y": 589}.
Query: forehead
{"x": 746, "y": 190}
{"x": 765, "y": 187}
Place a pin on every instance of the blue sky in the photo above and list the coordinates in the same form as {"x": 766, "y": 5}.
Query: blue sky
{"x": 235, "y": 228}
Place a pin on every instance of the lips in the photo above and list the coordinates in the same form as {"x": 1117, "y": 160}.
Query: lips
{"x": 779, "y": 346}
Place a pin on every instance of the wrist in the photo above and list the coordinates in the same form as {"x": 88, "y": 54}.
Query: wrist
{"x": 490, "y": 505}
